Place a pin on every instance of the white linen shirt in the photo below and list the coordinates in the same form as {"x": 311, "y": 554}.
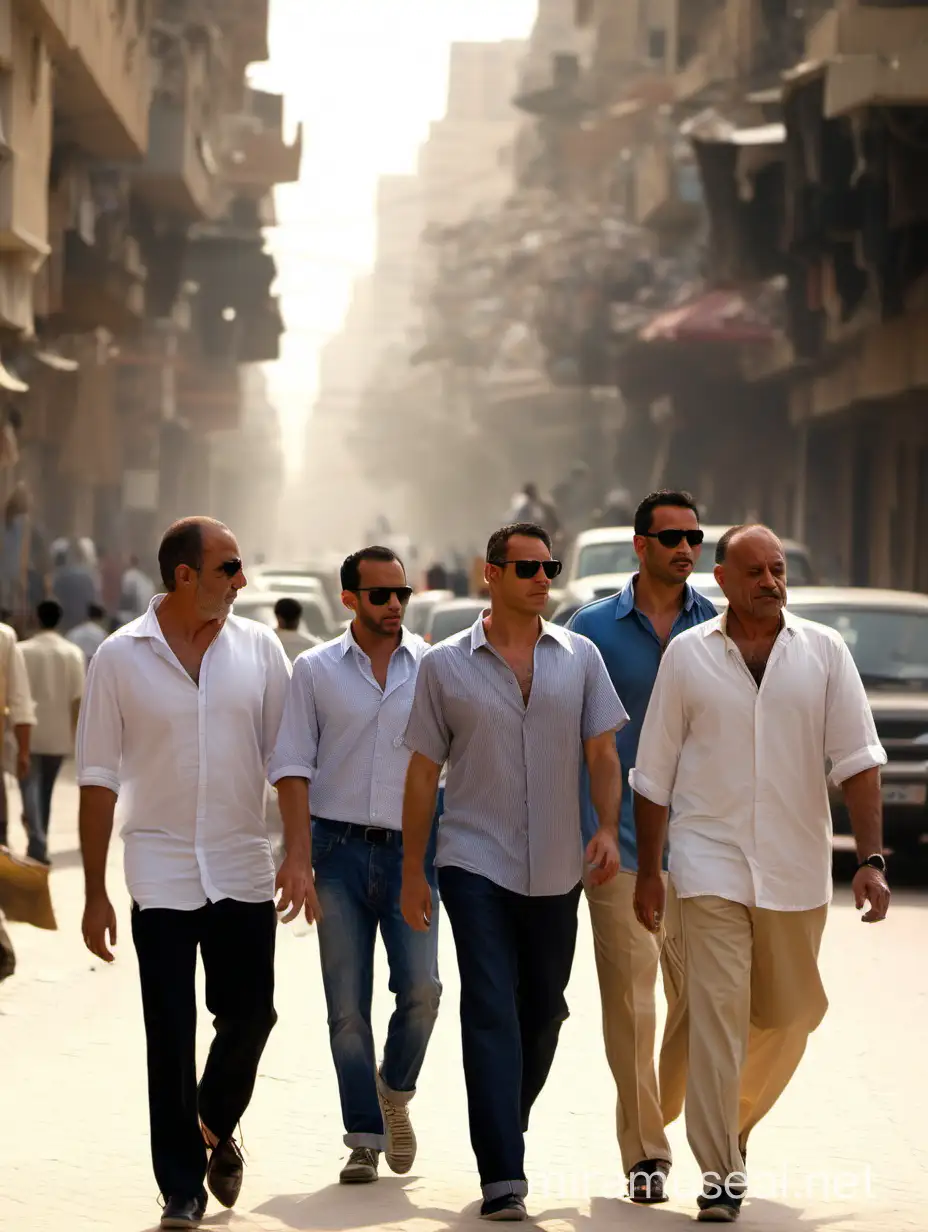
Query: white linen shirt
{"x": 345, "y": 734}
{"x": 743, "y": 769}
{"x": 56, "y": 679}
{"x": 187, "y": 761}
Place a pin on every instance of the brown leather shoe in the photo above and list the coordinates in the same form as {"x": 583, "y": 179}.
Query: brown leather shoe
{"x": 226, "y": 1172}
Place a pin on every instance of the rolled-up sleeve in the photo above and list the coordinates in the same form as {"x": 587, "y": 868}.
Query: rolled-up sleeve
{"x": 662, "y": 735}
{"x": 851, "y": 741}
{"x": 297, "y": 744}
{"x": 99, "y": 729}
{"x": 19, "y": 693}
{"x": 602, "y": 709}
{"x": 427, "y": 731}
{"x": 276, "y": 691}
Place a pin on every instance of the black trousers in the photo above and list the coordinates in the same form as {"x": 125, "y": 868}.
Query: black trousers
{"x": 236, "y": 941}
{"x": 514, "y": 956}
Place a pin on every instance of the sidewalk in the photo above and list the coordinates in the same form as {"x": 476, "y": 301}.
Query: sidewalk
{"x": 844, "y": 1150}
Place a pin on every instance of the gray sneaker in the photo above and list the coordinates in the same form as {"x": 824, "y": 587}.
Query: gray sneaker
{"x": 401, "y": 1147}
{"x": 361, "y": 1167}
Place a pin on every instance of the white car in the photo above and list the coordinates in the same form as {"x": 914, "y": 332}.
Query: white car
{"x": 603, "y": 559}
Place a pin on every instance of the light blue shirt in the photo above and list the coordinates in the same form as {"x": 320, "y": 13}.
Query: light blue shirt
{"x": 632, "y": 652}
{"x": 511, "y": 809}
{"x": 344, "y": 733}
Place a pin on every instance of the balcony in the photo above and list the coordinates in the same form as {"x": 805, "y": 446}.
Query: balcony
{"x": 178, "y": 175}
{"x": 668, "y": 191}
{"x": 555, "y": 90}
{"x": 866, "y": 32}
{"x": 103, "y": 82}
{"x": 255, "y": 154}
{"x": 25, "y": 144}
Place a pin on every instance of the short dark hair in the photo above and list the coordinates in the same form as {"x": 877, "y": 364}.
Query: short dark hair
{"x": 288, "y": 612}
{"x": 351, "y": 566}
{"x": 95, "y": 612}
{"x": 665, "y": 497}
{"x": 182, "y": 544}
{"x": 50, "y": 613}
{"x": 499, "y": 540}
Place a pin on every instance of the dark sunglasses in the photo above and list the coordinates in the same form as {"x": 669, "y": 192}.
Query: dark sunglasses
{"x": 526, "y": 569}
{"x": 379, "y": 595}
{"x": 673, "y": 538}
{"x": 231, "y": 567}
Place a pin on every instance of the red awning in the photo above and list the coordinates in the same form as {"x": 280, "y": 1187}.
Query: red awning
{"x": 717, "y": 316}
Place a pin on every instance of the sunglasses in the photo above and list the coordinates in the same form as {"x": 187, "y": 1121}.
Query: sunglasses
{"x": 231, "y": 567}
{"x": 526, "y": 569}
{"x": 673, "y": 538}
{"x": 379, "y": 595}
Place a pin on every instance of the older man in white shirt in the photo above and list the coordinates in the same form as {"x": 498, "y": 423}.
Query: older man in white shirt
{"x": 341, "y": 749}
{"x": 745, "y": 712}
{"x": 180, "y": 717}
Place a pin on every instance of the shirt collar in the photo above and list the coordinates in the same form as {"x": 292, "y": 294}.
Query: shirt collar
{"x": 720, "y": 624}
{"x": 347, "y": 642}
{"x": 478, "y": 634}
{"x": 625, "y": 602}
{"x": 147, "y": 625}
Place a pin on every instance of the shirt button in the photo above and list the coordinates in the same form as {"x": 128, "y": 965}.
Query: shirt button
{"x": 398, "y": 742}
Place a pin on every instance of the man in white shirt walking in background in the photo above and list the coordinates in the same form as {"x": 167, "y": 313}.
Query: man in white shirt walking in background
{"x": 179, "y": 720}
{"x": 56, "y": 680}
{"x": 745, "y": 709}
{"x": 289, "y": 613}
{"x": 341, "y": 754}
{"x": 91, "y": 634}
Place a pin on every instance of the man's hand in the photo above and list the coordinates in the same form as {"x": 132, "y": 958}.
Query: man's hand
{"x": 650, "y": 896}
{"x": 602, "y": 856}
{"x": 297, "y": 888}
{"x": 416, "y": 900}
{"x": 23, "y": 764}
{"x": 98, "y": 923}
{"x": 870, "y": 886}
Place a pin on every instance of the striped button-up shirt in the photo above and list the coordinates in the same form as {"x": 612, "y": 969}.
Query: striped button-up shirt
{"x": 344, "y": 733}
{"x": 511, "y": 808}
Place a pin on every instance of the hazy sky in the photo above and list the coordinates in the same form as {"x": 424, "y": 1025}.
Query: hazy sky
{"x": 365, "y": 77}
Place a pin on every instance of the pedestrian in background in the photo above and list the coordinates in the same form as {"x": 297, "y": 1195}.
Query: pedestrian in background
{"x": 179, "y": 721}
{"x": 18, "y": 713}
{"x": 56, "y": 680}
{"x": 289, "y": 613}
{"x": 632, "y": 630}
{"x": 341, "y": 754}
{"x": 509, "y": 704}
{"x": 91, "y": 634}
{"x": 746, "y": 711}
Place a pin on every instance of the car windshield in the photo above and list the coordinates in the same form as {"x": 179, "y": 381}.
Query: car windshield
{"x": 262, "y": 613}
{"x": 890, "y": 646}
{"x": 446, "y": 621}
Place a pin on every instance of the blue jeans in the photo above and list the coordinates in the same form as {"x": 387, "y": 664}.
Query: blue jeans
{"x": 37, "y": 790}
{"x": 514, "y": 955}
{"x": 358, "y": 879}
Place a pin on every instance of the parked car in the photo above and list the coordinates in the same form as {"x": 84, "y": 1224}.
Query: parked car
{"x": 603, "y": 559}
{"x": 259, "y": 605}
{"x": 420, "y": 607}
{"x": 886, "y": 631}
{"x": 450, "y": 617}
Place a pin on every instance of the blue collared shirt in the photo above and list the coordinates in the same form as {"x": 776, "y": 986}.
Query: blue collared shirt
{"x": 632, "y": 653}
{"x": 511, "y": 812}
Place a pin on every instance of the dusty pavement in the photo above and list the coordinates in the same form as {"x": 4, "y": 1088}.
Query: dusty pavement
{"x": 844, "y": 1150}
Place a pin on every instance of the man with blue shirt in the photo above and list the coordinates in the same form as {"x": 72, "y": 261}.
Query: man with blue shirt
{"x": 631, "y": 630}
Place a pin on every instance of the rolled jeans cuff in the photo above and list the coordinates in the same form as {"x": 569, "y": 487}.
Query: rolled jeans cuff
{"x": 374, "y": 1142}
{"x": 499, "y": 1189}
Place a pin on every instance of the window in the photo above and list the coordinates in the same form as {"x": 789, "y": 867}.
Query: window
{"x": 657, "y": 45}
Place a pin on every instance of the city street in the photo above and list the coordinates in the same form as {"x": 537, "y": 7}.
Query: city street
{"x": 844, "y": 1150}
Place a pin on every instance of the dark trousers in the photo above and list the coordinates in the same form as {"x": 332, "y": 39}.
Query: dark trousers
{"x": 514, "y": 955}
{"x": 236, "y": 941}
{"x": 37, "y": 788}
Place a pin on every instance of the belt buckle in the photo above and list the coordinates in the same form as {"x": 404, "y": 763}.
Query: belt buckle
{"x": 375, "y": 835}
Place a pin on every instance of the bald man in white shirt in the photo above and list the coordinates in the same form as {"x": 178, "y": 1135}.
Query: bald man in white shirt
{"x": 179, "y": 720}
{"x": 744, "y": 713}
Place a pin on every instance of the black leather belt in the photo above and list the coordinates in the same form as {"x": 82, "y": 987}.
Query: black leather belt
{"x": 377, "y": 836}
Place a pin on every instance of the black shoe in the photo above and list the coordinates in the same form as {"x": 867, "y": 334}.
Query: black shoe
{"x": 718, "y": 1210}
{"x": 509, "y": 1208}
{"x": 183, "y": 1212}
{"x": 646, "y": 1181}
{"x": 226, "y": 1172}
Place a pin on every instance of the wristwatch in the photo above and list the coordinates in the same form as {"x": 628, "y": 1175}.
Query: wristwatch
{"x": 875, "y": 861}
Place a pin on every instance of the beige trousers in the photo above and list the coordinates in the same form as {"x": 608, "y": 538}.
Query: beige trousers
{"x": 753, "y": 994}
{"x": 627, "y": 959}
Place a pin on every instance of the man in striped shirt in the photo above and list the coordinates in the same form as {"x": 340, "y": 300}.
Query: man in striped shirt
{"x": 509, "y": 703}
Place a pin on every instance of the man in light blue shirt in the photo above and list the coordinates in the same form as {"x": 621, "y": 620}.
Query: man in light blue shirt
{"x": 631, "y": 630}
{"x": 341, "y": 751}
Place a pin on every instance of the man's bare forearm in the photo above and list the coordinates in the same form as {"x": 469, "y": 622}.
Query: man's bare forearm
{"x": 23, "y": 733}
{"x": 419, "y": 809}
{"x": 95, "y": 823}
{"x": 293, "y": 797}
{"x": 651, "y": 835}
{"x": 606, "y": 791}
{"x": 865, "y": 809}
